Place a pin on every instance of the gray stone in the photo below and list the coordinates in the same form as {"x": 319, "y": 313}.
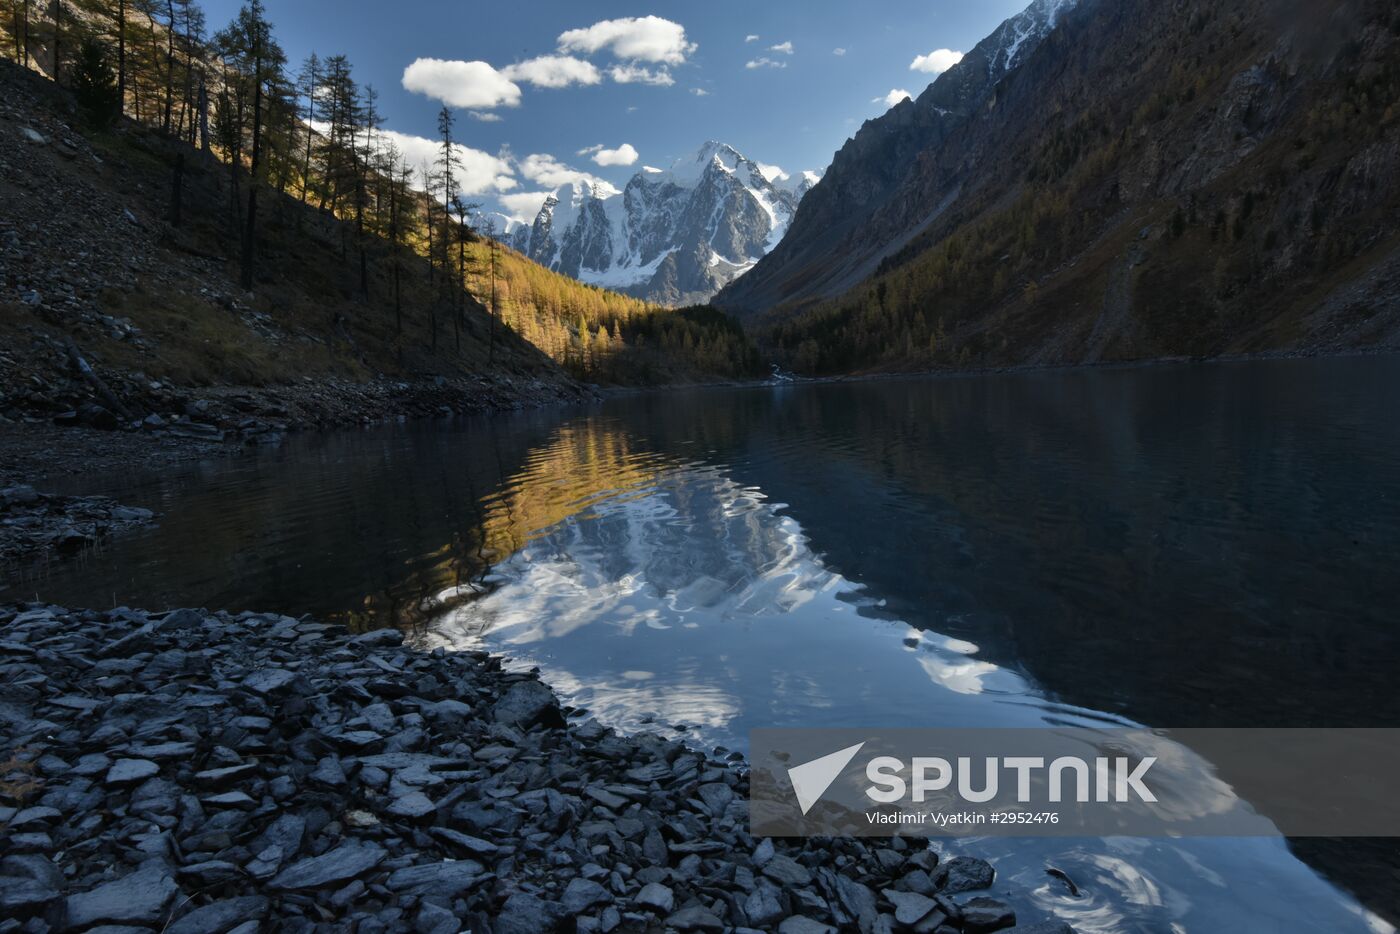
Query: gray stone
{"x": 964, "y": 874}
{"x": 524, "y": 913}
{"x": 269, "y": 680}
{"x": 412, "y": 806}
{"x": 139, "y": 898}
{"x": 216, "y": 778}
{"x": 716, "y": 796}
{"x": 763, "y": 906}
{"x": 581, "y": 894}
{"x": 784, "y": 870}
{"x": 434, "y": 920}
{"x": 981, "y": 915}
{"x": 221, "y": 916}
{"x": 448, "y": 878}
{"x": 656, "y": 896}
{"x": 694, "y": 918}
{"x": 131, "y": 771}
{"x": 909, "y": 907}
{"x": 801, "y": 924}
{"x": 22, "y": 895}
{"x": 347, "y": 861}
{"x": 526, "y": 704}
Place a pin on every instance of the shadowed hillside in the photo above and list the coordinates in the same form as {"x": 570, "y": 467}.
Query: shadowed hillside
{"x": 1153, "y": 180}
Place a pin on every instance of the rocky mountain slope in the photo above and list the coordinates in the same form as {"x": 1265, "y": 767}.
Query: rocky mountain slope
{"x": 838, "y": 236}
{"x": 675, "y": 236}
{"x": 1146, "y": 180}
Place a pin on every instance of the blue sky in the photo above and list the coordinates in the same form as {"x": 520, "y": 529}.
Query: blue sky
{"x": 786, "y": 98}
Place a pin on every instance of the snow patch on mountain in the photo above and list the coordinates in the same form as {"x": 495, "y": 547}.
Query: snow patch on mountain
{"x": 674, "y": 236}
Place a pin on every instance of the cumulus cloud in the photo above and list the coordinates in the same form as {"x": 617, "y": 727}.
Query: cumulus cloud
{"x": 638, "y": 74}
{"x": 553, "y": 71}
{"x": 634, "y": 38}
{"x": 700, "y": 92}
{"x": 485, "y": 116}
{"x": 751, "y": 37}
{"x": 473, "y": 85}
{"x": 936, "y": 62}
{"x": 524, "y": 205}
{"x": 544, "y": 169}
{"x": 783, "y": 47}
{"x": 838, "y": 51}
{"x": 625, "y": 154}
{"x": 477, "y": 172}
{"x": 764, "y": 62}
{"x": 892, "y": 98}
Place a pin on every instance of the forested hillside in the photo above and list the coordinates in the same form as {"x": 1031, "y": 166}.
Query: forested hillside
{"x": 183, "y": 207}
{"x": 1154, "y": 180}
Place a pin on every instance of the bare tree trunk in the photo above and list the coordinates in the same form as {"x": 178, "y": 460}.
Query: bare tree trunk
{"x": 203, "y": 115}
{"x": 250, "y": 230}
{"x": 58, "y": 42}
{"x": 169, "y": 66}
{"x": 121, "y": 54}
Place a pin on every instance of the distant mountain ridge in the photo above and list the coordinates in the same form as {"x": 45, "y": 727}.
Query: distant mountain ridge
{"x": 675, "y": 236}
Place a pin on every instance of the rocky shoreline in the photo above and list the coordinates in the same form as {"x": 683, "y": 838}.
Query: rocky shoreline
{"x": 201, "y": 772}
{"x": 34, "y": 524}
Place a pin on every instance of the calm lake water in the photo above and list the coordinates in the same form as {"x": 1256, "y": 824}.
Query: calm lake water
{"x": 1187, "y": 546}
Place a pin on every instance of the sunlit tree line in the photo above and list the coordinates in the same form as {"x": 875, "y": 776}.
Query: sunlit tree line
{"x": 312, "y": 133}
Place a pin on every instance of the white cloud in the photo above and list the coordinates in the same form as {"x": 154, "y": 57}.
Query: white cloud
{"x": 651, "y": 169}
{"x": 477, "y": 172}
{"x": 625, "y": 154}
{"x": 700, "y": 92}
{"x": 589, "y": 150}
{"x": 892, "y": 98}
{"x": 553, "y": 71}
{"x": 640, "y": 39}
{"x": 838, "y": 51}
{"x": 474, "y": 85}
{"x": 936, "y": 62}
{"x": 783, "y": 47}
{"x": 772, "y": 172}
{"x": 764, "y": 62}
{"x": 485, "y": 116}
{"x": 548, "y": 171}
{"x": 636, "y": 74}
{"x": 751, "y": 37}
{"x": 524, "y": 205}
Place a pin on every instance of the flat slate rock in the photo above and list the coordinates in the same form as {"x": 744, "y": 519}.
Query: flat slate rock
{"x": 524, "y": 913}
{"x": 220, "y": 917}
{"x": 139, "y": 898}
{"x": 131, "y": 771}
{"x": 448, "y": 878}
{"x": 345, "y": 862}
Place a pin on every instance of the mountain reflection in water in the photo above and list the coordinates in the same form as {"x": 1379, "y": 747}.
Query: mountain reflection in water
{"x": 1185, "y": 546}
{"x": 688, "y": 600}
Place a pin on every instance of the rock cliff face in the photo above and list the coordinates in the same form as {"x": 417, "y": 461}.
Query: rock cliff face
{"x": 1130, "y": 180}
{"x": 840, "y": 234}
{"x": 673, "y": 237}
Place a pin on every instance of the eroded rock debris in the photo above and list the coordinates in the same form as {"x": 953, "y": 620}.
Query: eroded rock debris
{"x": 196, "y": 772}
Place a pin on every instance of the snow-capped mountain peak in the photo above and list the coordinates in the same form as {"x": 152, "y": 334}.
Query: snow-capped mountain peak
{"x": 675, "y": 236}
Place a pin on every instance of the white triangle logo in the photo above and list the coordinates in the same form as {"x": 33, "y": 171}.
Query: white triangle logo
{"x": 810, "y": 780}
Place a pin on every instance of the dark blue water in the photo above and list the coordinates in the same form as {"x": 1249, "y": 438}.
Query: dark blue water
{"x": 1211, "y": 545}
